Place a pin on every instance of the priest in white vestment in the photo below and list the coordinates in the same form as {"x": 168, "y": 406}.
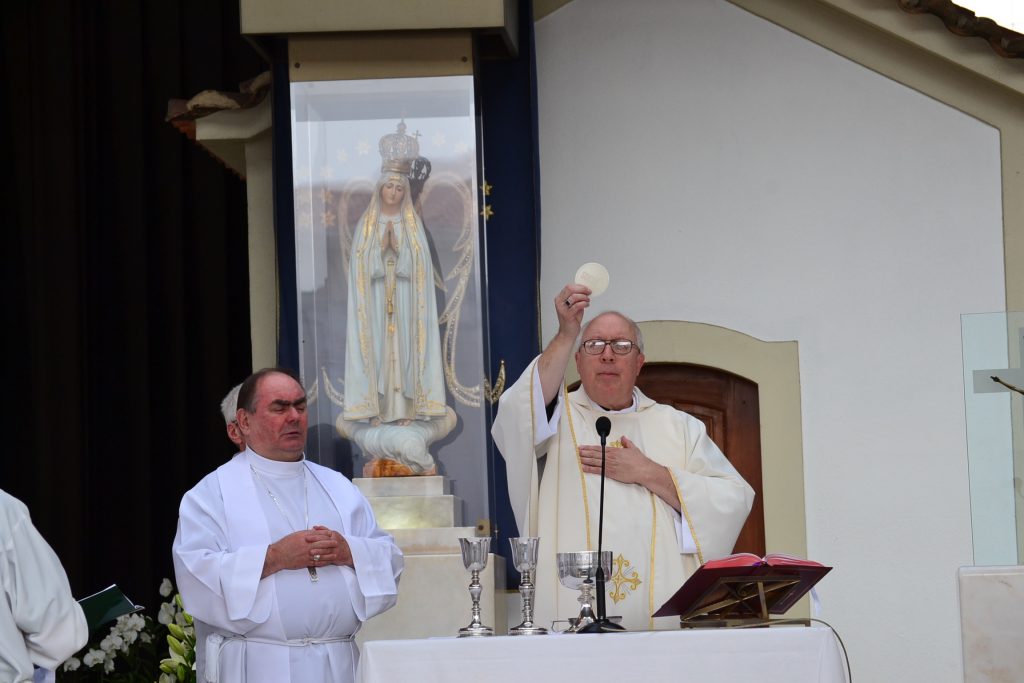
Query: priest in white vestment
{"x": 672, "y": 499}
{"x": 41, "y": 624}
{"x": 278, "y": 559}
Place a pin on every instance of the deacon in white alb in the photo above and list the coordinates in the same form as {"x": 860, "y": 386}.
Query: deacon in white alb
{"x": 672, "y": 500}
{"x": 279, "y": 559}
{"x": 40, "y": 622}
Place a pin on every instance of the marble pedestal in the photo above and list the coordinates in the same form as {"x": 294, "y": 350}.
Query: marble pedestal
{"x": 433, "y": 594}
{"x": 433, "y": 600}
{"x": 992, "y": 623}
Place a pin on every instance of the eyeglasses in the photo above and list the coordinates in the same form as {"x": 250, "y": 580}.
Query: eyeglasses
{"x": 620, "y": 347}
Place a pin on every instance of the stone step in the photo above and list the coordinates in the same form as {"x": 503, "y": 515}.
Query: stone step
{"x": 416, "y": 512}
{"x": 433, "y": 541}
{"x": 381, "y": 487}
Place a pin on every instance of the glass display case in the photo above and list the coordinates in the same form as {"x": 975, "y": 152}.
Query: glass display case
{"x": 388, "y": 232}
{"x": 993, "y": 351}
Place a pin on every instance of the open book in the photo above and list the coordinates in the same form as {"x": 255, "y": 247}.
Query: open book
{"x": 106, "y": 606}
{"x": 752, "y": 560}
{"x": 743, "y": 586}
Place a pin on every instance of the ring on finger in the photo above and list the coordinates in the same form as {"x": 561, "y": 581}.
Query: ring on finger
{"x": 316, "y": 558}
{"x": 567, "y": 302}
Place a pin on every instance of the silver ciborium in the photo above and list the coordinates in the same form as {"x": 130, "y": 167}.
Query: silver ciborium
{"x": 474, "y": 556}
{"x": 576, "y": 571}
{"x": 524, "y": 558}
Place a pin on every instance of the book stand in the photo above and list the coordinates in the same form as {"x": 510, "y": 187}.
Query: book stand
{"x": 739, "y": 601}
{"x": 741, "y": 596}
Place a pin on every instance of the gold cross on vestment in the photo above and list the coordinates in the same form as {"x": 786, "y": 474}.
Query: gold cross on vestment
{"x": 620, "y": 579}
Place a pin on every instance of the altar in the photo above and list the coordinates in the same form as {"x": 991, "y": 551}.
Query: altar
{"x": 794, "y": 654}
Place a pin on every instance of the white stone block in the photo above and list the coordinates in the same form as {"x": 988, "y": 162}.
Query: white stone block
{"x": 416, "y": 512}
{"x": 433, "y": 600}
{"x": 438, "y": 541}
{"x": 402, "y": 486}
{"x": 992, "y": 623}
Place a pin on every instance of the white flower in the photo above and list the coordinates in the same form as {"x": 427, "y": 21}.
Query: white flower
{"x": 72, "y": 664}
{"x": 112, "y": 642}
{"x": 129, "y": 638}
{"x": 108, "y": 665}
{"x": 166, "y": 614}
{"x": 179, "y": 619}
{"x": 93, "y": 657}
{"x": 145, "y": 637}
{"x": 130, "y": 623}
{"x": 166, "y": 587}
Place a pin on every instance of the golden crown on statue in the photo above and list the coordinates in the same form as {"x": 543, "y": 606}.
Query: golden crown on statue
{"x": 398, "y": 150}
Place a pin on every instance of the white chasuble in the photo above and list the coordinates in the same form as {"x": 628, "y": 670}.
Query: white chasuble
{"x": 561, "y": 507}
{"x": 284, "y": 627}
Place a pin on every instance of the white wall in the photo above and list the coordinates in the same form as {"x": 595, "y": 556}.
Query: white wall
{"x": 730, "y": 172}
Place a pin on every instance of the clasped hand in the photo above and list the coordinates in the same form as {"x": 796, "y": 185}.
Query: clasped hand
{"x": 316, "y": 547}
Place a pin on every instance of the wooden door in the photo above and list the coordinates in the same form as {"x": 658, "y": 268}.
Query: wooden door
{"x": 728, "y": 406}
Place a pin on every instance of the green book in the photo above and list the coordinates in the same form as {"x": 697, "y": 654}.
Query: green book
{"x": 106, "y": 606}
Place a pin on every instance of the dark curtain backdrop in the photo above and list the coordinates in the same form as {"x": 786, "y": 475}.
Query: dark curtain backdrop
{"x": 125, "y": 276}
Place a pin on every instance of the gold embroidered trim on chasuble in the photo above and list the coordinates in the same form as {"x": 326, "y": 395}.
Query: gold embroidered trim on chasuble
{"x": 650, "y": 573}
{"x": 533, "y": 416}
{"x": 576, "y": 453}
{"x": 686, "y": 516}
{"x": 624, "y": 579}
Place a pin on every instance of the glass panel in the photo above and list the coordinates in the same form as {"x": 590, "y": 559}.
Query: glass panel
{"x": 993, "y": 344}
{"x": 390, "y": 307}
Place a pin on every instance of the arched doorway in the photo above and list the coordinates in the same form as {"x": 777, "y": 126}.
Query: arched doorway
{"x": 729, "y": 407}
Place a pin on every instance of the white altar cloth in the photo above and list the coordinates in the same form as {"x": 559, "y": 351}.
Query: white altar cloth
{"x": 794, "y": 654}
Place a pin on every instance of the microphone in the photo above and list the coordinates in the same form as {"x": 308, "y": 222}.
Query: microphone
{"x": 602, "y": 625}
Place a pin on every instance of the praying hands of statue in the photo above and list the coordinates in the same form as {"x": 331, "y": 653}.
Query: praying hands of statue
{"x": 293, "y": 551}
{"x": 629, "y": 465}
{"x": 388, "y": 240}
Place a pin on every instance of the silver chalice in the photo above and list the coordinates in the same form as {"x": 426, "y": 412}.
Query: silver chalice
{"x": 524, "y": 558}
{"x": 474, "y": 557}
{"x": 576, "y": 571}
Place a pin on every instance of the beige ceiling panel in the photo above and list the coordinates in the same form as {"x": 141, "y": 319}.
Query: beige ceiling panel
{"x": 333, "y": 16}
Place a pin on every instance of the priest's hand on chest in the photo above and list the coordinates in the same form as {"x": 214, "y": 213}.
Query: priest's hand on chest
{"x": 629, "y": 465}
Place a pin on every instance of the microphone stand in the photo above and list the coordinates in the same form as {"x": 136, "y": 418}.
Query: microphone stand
{"x": 602, "y": 624}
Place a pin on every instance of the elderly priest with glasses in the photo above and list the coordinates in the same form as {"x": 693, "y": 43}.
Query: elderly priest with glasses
{"x": 672, "y": 500}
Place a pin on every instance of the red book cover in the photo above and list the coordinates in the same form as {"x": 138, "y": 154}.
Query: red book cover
{"x": 786, "y": 580}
